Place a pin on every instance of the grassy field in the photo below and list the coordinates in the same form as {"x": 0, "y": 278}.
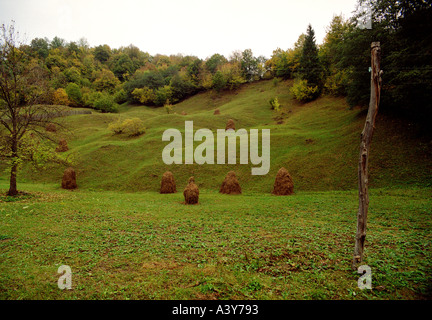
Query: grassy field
{"x": 145, "y": 245}
{"x": 124, "y": 240}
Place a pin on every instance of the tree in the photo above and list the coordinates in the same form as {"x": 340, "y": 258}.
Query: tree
{"x": 214, "y": 62}
{"x": 249, "y": 65}
{"x": 22, "y": 118}
{"x": 102, "y": 53}
{"x": 57, "y": 43}
{"x": 310, "y": 67}
{"x": 40, "y": 46}
{"x": 74, "y": 94}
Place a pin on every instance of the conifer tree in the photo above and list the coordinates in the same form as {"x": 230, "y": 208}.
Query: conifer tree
{"x": 310, "y": 67}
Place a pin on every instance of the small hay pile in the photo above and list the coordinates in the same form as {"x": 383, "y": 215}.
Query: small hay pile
{"x": 51, "y": 127}
{"x": 191, "y": 192}
{"x": 283, "y": 183}
{"x": 217, "y": 111}
{"x": 69, "y": 179}
{"x": 230, "y": 185}
{"x": 230, "y": 124}
{"x": 62, "y": 146}
{"x": 184, "y": 113}
{"x": 168, "y": 184}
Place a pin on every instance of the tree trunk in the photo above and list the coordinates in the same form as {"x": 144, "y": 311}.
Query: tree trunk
{"x": 13, "y": 191}
{"x": 13, "y": 182}
{"x": 366, "y": 138}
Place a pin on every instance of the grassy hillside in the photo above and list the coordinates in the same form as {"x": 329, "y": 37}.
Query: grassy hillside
{"x": 317, "y": 142}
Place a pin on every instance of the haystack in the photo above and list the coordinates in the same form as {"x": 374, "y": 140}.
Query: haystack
{"x": 69, "y": 179}
{"x": 230, "y": 124}
{"x": 51, "y": 127}
{"x": 62, "y": 146}
{"x": 168, "y": 184}
{"x": 217, "y": 111}
{"x": 230, "y": 185}
{"x": 191, "y": 192}
{"x": 184, "y": 113}
{"x": 283, "y": 183}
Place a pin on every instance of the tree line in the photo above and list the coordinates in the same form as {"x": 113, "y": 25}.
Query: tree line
{"x": 101, "y": 77}
{"x": 35, "y": 77}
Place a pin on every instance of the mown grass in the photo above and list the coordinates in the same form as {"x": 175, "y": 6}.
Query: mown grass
{"x": 145, "y": 245}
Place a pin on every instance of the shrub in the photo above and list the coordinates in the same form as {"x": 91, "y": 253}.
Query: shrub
{"x": 132, "y": 127}
{"x": 274, "y": 103}
{"x": 120, "y": 96}
{"x": 116, "y": 127}
{"x": 168, "y": 107}
{"x": 60, "y": 97}
{"x": 303, "y": 92}
{"x": 336, "y": 83}
{"x": 143, "y": 95}
{"x": 162, "y": 94}
{"x": 105, "y": 103}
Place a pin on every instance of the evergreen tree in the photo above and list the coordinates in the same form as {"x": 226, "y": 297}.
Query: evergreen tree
{"x": 310, "y": 68}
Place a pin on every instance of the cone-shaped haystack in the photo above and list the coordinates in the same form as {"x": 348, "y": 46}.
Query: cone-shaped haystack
{"x": 168, "y": 184}
{"x": 217, "y": 111}
{"x": 69, "y": 179}
{"x": 62, "y": 146}
{"x": 230, "y": 124}
{"x": 191, "y": 192}
{"x": 230, "y": 185}
{"x": 283, "y": 183}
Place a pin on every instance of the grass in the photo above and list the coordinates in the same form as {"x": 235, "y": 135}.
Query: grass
{"x": 145, "y": 245}
{"x": 123, "y": 240}
{"x": 317, "y": 142}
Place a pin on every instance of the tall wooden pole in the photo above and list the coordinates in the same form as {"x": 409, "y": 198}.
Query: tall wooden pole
{"x": 366, "y": 138}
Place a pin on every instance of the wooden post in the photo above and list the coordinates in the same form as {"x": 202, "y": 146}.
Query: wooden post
{"x": 366, "y": 138}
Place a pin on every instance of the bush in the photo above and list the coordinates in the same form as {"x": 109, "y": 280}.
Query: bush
{"x": 168, "y": 107}
{"x": 303, "y": 92}
{"x": 105, "y": 103}
{"x": 120, "y": 96}
{"x": 336, "y": 83}
{"x": 274, "y": 103}
{"x": 60, "y": 97}
{"x": 132, "y": 127}
{"x": 74, "y": 94}
{"x": 162, "y": 95}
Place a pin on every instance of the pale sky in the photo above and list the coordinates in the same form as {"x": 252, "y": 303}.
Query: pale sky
{"x": 189, "y": 27}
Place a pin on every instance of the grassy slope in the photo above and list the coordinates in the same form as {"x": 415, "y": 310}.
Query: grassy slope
{"x": 326, "y": 162}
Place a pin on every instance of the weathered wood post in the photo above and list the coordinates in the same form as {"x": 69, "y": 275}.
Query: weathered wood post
{"x": 366, "y": 138}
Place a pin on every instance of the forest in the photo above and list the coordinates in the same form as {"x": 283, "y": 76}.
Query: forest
{"x": 102, "y": 77}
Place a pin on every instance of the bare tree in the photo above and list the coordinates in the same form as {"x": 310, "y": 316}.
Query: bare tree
{"x": 23, "y": 86}
{"x": 366, "y": 139}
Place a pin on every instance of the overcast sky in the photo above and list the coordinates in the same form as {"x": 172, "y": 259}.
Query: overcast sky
{"x": 190, "y": 27}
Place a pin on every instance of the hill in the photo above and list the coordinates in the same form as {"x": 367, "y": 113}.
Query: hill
{"x": 317, "y": 142}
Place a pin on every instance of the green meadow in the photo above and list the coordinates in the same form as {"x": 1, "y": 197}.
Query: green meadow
{"x": 124, "y": 240}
